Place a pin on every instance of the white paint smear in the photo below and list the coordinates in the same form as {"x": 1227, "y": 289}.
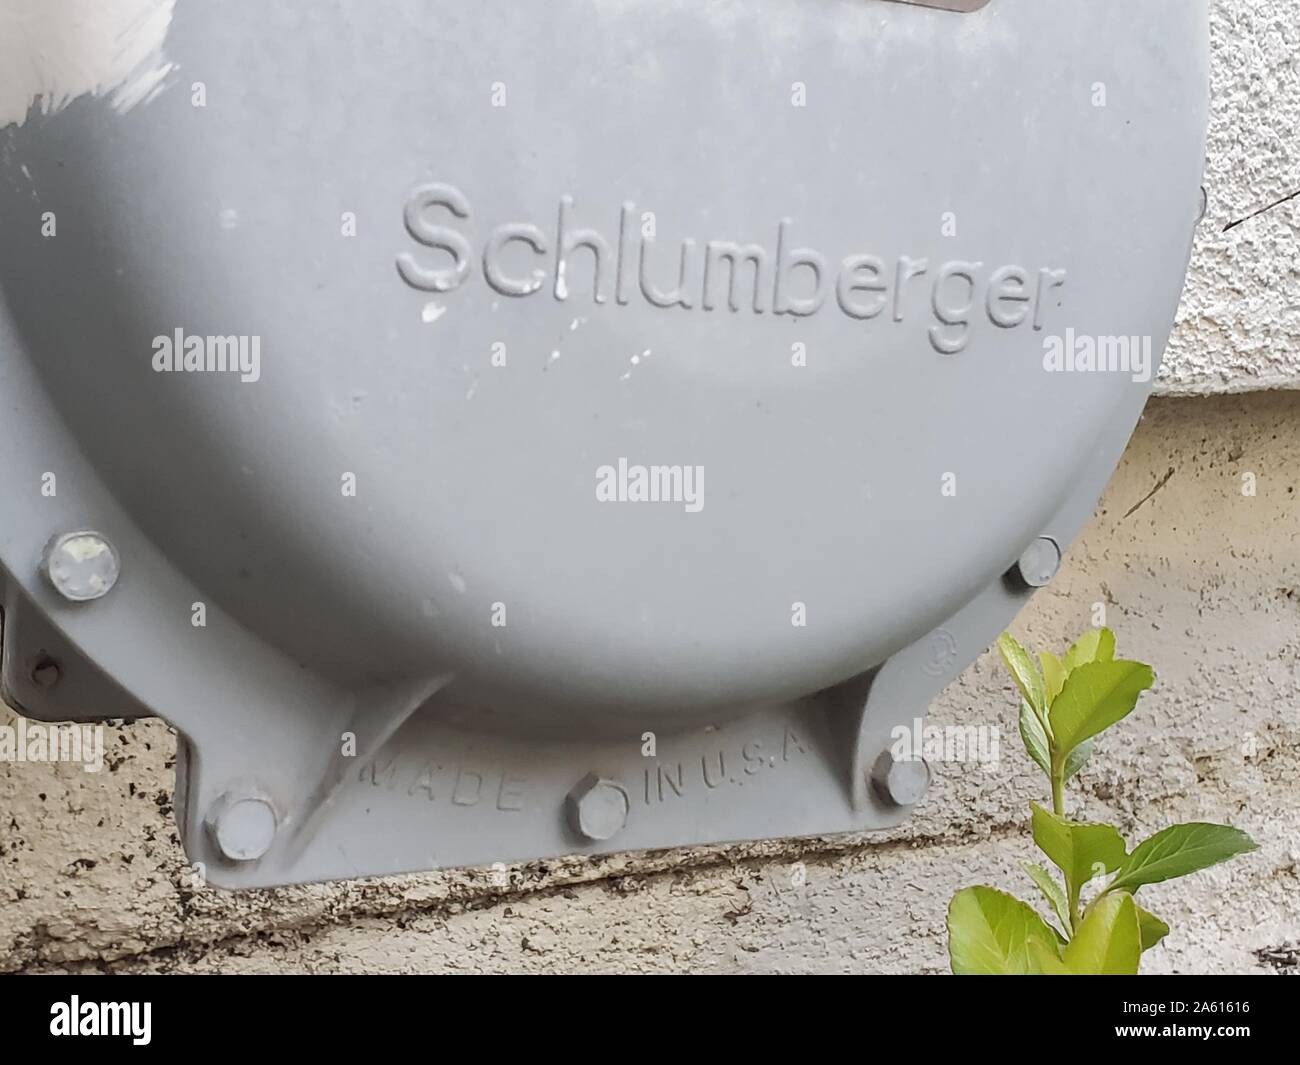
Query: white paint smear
{"x": 53, "y": 51}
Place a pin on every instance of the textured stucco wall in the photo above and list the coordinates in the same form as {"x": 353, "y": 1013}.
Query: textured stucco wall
{"x": 1239, "y": 327}
{"x": 1200, "y": 580}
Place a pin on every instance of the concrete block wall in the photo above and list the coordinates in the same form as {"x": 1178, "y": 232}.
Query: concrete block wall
{"x": 1196, "y": 577}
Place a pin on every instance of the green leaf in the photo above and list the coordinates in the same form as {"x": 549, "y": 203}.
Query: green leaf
{"x": 1051, "y": 891}
{"x": 989, "y": 933}
{"x": 1095, "y": 696}
{"x": 1023, "y": 671}
{"x": 1077, "y": 759}
{"x": 1053, "y": 674}
{"x": 1107, "y": 942}
{"x": 1044, "y": 961}
{"x": 1031, "y": 731}
{"x": 1179, "y": 850}
{"x": 1152, "y": 929}
{"x": 1080, "y": 851}
{"x": 1095, "y": 646}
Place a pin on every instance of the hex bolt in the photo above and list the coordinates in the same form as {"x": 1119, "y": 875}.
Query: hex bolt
{"x": 597, "y": 808}
{"x": 900, "y": 782}
{"x": 242, "y": 825}
{"x": 1039, "y": 563}
{"x": 81, "y": 565}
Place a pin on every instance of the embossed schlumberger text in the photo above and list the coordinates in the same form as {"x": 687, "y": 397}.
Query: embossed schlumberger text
{"x": 571, "y": 259}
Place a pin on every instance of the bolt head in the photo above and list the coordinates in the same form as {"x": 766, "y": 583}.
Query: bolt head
{"x": 900, "y": 782}
{"x": 81, "y": 566}
{"x": 1039, "y": 562}
{"x": 597, "y": 808}
{"x": 45, "y": 672}
{"x": 242, "y": 826}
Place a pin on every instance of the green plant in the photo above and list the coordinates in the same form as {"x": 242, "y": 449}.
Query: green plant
{"x": 1066, "y": 702}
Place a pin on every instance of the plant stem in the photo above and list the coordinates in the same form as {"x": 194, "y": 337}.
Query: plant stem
{"x": 1058, "y": 807}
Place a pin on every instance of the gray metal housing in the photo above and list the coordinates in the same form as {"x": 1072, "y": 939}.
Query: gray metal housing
{"x": 817, "y": 249}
